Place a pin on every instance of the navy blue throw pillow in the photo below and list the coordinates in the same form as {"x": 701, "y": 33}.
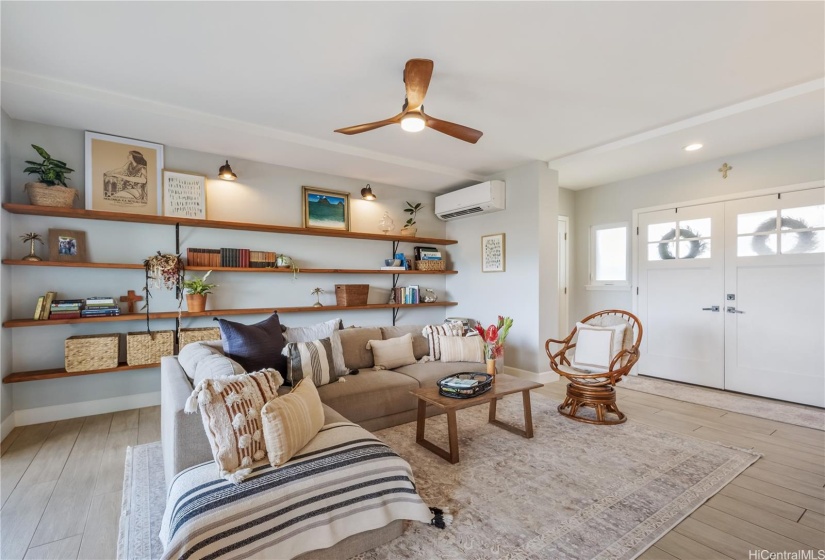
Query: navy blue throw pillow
{"x": 256, "y": 346}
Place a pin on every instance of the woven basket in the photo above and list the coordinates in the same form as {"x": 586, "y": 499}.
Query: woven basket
{"x": 350, "y": 295}
{"x": 91, "y": 352}
{"x": 429, "y": 265}
{"x": 41, "y": 194}
{"x": 142, "y": 349}
{"x": 188, "y": 336}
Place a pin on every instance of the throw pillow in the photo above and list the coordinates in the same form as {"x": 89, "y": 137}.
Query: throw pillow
{"x": 192, "y": 355}
{"x": 392, "y": 353}
{"x": 255, "y": 346}
{"x": 433, "y": 331}
{"x": 327, "y": 329}
{"x": 461, "y": 349}
{"x": 231, "y": 413}
{"x": 291, "y": 421}
{"x": 596, "y": 346}
{"x": 310, "y": 359}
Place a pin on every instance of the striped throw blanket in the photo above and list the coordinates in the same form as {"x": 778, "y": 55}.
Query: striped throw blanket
{"x": 344, "y": 482}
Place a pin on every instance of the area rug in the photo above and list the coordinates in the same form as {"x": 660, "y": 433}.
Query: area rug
{"x": 797, "y": 414}
{"x": 574, "y": 491}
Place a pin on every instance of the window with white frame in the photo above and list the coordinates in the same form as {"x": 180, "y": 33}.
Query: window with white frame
{"x": 608, "y": 256}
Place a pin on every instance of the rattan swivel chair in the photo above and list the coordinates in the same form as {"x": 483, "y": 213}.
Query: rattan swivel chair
{"x": 596, "y": 390}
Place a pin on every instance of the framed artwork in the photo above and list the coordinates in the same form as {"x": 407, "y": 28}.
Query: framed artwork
{"x": 492, "y": 253}
{"x": 123, "y": 175}
{"x": 67, "y": 245}
{"x": 325, "y": 209}
{"x": 184, "y": 195}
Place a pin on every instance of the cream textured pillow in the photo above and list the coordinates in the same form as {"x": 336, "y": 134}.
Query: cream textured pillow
{"x": 432, "y": 332}
{"x": 392, "y": 353}
{"x": 231, "y": 412}
{"x": 191, "y": 356}
{"x": 596, "y": 346}
{"x": 291, "y": 421}
{"x": 461, "y": 349}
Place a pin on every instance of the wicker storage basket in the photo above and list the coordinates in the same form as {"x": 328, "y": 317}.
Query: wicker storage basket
{"x": 349, "y": 295}
{"x": 429, "y": 265}
{"x": 141, "y": 349}
{"x": 41, "y": 194}
{"x": 188, "y": 336}
{"x": 91, "y": 352}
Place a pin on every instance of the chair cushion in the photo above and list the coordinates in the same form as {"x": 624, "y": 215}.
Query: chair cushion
{"x": 461, "y": 349}
{"x": 420, "y": 345}
{"x": 255, "y": 346}
{"x": 310, "y": 360}
{"x": 596, "y": 346}
{"x": 291, "y": 421}
{"x": 426, "y": 375}
{"x": 354, "y": 345}
{"x": 392, "y": 353}
{"x": 370, "y": 394}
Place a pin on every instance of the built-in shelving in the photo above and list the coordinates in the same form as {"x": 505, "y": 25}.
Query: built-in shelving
{"x": 57, "y": 373}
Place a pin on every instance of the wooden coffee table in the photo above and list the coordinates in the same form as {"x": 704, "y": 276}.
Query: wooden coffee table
{"x": 504, "y": 385}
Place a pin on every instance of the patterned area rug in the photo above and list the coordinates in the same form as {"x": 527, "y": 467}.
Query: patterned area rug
{"x": 574, "y": 491}
{"x": 797, "y": 414}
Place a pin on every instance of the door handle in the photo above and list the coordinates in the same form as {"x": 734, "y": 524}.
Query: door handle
{"x": 731, "y": 309}
{"x": 714, "y": 308}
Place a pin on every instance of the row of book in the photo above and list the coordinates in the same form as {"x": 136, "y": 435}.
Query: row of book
{"x": 50, "y": 308}
{"x": 230, "y": 258}
{"x": 406, "y": 294}
{"x": 427, "y": 254}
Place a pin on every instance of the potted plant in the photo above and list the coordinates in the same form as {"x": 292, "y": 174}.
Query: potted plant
{"x": 51, "y": 189}
{"x": 409, "y": 226}
{"x": 196, "y": 291}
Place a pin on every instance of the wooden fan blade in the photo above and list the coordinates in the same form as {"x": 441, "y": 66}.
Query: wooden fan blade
{"x": 417, "y": 74}
{"x": 461, "y": 132}
{"x": 358, "y": 129}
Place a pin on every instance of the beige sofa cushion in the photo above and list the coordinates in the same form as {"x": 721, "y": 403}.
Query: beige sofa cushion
{"x": 291, "y": 421}
{"x": 354, "y": 345}
{"x": 420, "y": 346}
{"x": 461, "y": 349}
{"x": 370, "y": 394}
{"x": 427, "y": 374}
{"x": 392, "y": 353}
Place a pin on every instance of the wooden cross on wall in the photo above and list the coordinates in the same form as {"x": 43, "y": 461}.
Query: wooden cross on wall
{"x": 131, "y": 298}
{"x": 724, "y": 170}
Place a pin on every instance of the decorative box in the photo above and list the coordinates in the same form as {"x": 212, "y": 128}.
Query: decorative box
{"x": 349, "y": 295}
{"x": 187, "y": 336}
{"x": 92, "y": 352}
{"x": 429, "y": 265}
{"x": 144, "y": 348}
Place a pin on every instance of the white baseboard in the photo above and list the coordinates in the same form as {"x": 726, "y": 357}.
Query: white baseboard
{"x": 542, "y": 377}
{"x": 88, "y": 408}
{"x": 7, "y": 426}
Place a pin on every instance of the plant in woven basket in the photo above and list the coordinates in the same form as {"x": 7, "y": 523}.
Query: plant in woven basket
{"x": 163, "y": 271}
{"x": 50, "y": 171}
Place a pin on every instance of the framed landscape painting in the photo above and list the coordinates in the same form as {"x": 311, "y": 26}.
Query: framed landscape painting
{"x": 123, "y": 175}
{"x": 325, "y": 209}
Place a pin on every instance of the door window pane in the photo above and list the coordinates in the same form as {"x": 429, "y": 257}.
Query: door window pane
{"x": 755, "y": 245}
{"x": 694, "y": 249}
{"x": 655, "y": 232}
{"x": 756, "y": 222}
{"x": 799, "y": 242}
{"x": 695, "y": 228}
{"x": 804, "y": 217}
{"x": 610, "y": 254}
{"x": 661, "y": 251}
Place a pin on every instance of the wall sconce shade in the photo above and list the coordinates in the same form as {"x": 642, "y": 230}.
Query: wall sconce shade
{"x": 226, "y": 173}
{"x": 366, "y": 193}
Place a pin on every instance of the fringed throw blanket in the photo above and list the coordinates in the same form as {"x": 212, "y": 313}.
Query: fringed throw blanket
{"x": 344, "y": 482}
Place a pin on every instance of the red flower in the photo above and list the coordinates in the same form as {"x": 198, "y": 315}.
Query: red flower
{"x": 491, "y": 335}
{"x": 480, "y": 330}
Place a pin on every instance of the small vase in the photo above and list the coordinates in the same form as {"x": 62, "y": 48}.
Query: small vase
{"x": 409, "y": 231}
{"x": 195, "y": 303}
{"x": 491, "y": 368}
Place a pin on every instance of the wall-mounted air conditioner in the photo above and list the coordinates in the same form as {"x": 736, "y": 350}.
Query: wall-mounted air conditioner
{"x": 470, "y": 201}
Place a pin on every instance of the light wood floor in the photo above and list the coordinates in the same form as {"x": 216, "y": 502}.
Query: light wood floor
{"x": 61, "y": 483}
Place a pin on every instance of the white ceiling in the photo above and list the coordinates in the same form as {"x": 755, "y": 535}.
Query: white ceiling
{"x": 601, "y": 90}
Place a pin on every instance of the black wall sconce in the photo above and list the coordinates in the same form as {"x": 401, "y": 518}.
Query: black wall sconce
{"x": 226, "y": 173}
{"x": 366, "y": 193}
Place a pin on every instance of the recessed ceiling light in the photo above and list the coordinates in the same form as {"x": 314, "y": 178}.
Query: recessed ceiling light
{"x": 692, "y": 147}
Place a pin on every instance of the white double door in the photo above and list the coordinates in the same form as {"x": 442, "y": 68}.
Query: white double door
{"x": 732, "y": 295}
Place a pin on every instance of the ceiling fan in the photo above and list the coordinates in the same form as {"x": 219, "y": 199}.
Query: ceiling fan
{"x": 417, "y": 74}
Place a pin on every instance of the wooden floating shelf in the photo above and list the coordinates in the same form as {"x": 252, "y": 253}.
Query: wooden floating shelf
{"x": 130, "y": 266}
{"x": 51, "y": 211}
{"x": 215, "y": 312}
{"x": 57, "y": 373}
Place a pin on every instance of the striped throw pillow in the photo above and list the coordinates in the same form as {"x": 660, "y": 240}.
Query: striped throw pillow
{"x": 462, "y": 349}
{"x": 291, "y": 421}
{"x": 310, "y": 359}
{"x": 433, "y": 332}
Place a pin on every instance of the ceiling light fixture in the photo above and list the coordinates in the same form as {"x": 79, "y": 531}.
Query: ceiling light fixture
{"x": 366, "y": 193}
{"x": 692, "y": 147}
{"x": 412, "y": 122}
{"x": 226, "y": 173}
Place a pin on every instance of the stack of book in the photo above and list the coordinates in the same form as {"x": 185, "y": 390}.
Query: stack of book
{"x": 406, "y": 294}
{"x": 427, "y": 254}
{"x": 230, "y": 258}
{"x": 100, "y": 307}
{"x": 65, "y": 309}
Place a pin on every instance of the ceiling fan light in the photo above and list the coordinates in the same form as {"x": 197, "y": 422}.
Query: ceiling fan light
{"x": 412, "y": 123}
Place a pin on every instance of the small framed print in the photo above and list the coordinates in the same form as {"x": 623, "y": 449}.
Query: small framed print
{"x": 184, "y": 195}
{"x": 492, "y": 253}
{"x": 67, "y": 245}
{"x": 325, "y": 209}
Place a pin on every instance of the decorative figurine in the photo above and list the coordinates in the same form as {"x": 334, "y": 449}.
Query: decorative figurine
{"x": 317, "y": 293}
{"x": 31, "y": 238}
{"x": 386, "y": 224}
{"x": 429, "y": 296}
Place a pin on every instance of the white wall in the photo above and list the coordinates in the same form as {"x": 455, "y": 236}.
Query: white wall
{"x": 785, "y": 164}
{"x": 263, "y": 193}
{"x": 5, "y": 272}
{"x": 527, "y": 290}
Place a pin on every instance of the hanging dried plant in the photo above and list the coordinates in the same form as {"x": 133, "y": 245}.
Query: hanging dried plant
{"x": 163, "y": 271}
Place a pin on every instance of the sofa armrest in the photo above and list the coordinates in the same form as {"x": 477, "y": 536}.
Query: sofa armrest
{"x": 183, "y": 440}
